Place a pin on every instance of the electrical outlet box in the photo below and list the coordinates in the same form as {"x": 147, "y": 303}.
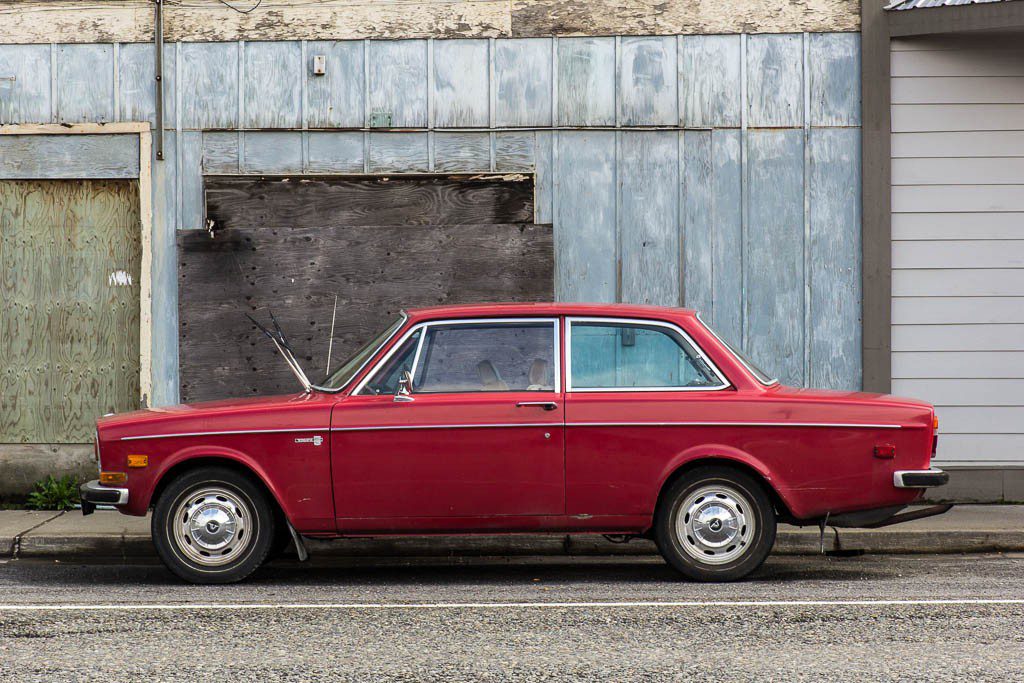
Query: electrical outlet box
{"x": 319, "y": 65}
{"x": 380, "y": 119}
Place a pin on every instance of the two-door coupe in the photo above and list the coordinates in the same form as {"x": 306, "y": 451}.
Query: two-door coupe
{"x": 610, "y": 419}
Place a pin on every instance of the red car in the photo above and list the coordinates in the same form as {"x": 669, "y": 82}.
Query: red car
{"x": 583, "y": 418}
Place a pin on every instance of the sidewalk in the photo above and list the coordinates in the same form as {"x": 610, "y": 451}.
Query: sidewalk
{"x": 108, "y": 535}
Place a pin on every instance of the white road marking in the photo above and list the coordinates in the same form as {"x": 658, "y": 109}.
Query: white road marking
{"x": 509, "y": 605}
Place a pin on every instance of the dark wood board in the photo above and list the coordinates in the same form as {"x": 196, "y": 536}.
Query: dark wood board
{"x": 375, "y": 271}
{"x": 234, "y": 202}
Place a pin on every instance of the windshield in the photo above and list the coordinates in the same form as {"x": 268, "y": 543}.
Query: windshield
{"x": 762, "y": 376}
{"x": 344, "y": 374}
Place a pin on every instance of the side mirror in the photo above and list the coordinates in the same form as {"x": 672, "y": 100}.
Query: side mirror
{"x": 404, "y": 391}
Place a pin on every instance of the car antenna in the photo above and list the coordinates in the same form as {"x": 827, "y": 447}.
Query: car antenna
{"x": 281, "y": 343}
{"x": 330, "y": 340}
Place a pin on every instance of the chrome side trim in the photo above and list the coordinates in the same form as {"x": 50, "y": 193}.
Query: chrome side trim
{"x": 501, "y": 425}
{"x": 836, "y": 425}
{"x": 224, "y": 433}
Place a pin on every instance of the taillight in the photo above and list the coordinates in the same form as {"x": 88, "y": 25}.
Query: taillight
{"x": 935, "y": 434}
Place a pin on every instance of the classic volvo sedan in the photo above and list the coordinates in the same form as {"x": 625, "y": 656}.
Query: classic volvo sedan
{"x": 609, "y": 419}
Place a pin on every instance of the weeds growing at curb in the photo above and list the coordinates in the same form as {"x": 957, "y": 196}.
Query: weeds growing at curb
{"x": 54, "y": 494}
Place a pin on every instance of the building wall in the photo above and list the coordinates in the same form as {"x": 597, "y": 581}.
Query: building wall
{"x": 129, "y": 21}
{"x": 958, "y": 241}
{"x": 720, "y": 172}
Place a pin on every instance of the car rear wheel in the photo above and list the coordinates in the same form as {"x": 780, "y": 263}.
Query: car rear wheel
{"x": 715, "y": 524}
{"x": 213, "y": 525}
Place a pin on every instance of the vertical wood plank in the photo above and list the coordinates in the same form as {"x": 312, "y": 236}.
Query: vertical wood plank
{"x": 522, "y": 76}
{"x": 462, "y": 152}
{"x": 336, "y": 98}
{"x": 648, "y": 215}
{"x": 585, "y": 239}
{"x": 699, "y": 222}
{"x": 137, "y": 87}
{"x": 709, "y": 81}
{"x": 835, "y": 305}
{"x": 335, "y": 152}
{"x": 26, "y": 99}
{"x": 273, "y": 89}
{"x": 834, "y": 77}
{"x": 586, "y": 81}
{"x": 398, "y": 152}
{"x": 165, "y": 286}
{"x": 397, "y": 81}
{"x": 191, "y": 181}
{"x": 544, "y": 181}
{"x": 209, "y": 85}
{"x": 648, "y": 80}
{"x": 461, "y": 98}
{"x": 85, "y": 83}
{"x": 272, "y": 152}
{"x": 775, "y": 80}
{"x": 775, "y": 253}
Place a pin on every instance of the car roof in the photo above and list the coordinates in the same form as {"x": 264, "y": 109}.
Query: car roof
{"x": 546, "y": 309}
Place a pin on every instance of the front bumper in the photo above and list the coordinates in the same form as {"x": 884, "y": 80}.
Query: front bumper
{"x": 919, "y": 479}
{"x": 93, "y": 494}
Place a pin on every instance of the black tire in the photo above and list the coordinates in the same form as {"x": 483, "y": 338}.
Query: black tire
{"x": 725, "y": 531}
{"x": 191, "y": 522}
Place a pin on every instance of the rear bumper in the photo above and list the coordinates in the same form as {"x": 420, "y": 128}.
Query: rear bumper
{"x": 93, "y": 494}
{"x": 919, "y": 479}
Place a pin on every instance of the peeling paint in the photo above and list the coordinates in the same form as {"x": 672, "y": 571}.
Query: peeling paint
{"x": 120, "y": 278}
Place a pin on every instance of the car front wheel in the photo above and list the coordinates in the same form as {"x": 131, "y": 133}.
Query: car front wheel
{"x": 715, "y": 524}
{"x": 213, "y": 525}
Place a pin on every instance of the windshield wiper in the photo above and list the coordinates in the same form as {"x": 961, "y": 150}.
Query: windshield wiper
{"x": 281, "y": 343}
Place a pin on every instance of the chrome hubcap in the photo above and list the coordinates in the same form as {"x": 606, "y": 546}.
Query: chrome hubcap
{"x": 212, "y": 526}
{"x": 715, "y": 524}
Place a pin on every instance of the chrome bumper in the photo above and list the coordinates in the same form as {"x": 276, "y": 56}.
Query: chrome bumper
{"x": 93, "y": 493}
{"x": 919, "y": 479}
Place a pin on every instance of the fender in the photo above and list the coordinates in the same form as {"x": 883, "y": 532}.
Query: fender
{"x": 722, "y": 453}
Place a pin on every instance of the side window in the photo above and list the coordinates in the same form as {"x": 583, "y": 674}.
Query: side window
{"x": 614, "y": 355}
{"x": 385, "y": 380}
{"x": 476, "y": 357}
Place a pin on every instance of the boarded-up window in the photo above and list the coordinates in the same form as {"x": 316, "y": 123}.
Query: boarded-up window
{"x": 69, "y": 331}
{"x": 378, "y": 245}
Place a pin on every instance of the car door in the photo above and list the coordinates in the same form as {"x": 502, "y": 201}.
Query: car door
{"x": 477, "y": 443}
{"x": 637, "y": 391}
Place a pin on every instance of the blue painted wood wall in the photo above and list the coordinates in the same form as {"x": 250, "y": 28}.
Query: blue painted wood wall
{"x": 718, "y": 172}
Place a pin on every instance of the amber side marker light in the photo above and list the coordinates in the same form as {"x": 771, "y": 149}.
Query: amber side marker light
{"x": 138, "y": 460}
{"x": 113, "y": 477}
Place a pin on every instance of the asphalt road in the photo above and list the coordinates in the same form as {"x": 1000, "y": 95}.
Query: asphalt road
{"x": 799, "y": 618}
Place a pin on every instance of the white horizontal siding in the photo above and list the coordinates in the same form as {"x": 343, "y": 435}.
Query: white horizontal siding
{"x": 957, "y": 310}
{"x": 958, "y": 365}
{"x": 958, "y": 240}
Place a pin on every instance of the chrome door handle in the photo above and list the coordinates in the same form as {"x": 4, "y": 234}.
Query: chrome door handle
{"x": 546, "y": 405}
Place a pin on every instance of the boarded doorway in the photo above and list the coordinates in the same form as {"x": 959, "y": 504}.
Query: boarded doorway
{"x": 70, "y": 257}
{"x": 378, "y": 244}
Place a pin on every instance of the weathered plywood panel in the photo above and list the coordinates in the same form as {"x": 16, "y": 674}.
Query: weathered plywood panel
{"x": 833, "y": 77}
{"x": 774, "y": 262}
{"x": 25, "y": 84}
{"x": 947, "y": 310}
{"x": 399, "y": 152}
{"x": 545, "y": 171}
{"x": 164, "y": 288}
{"x": 277, "y": 152}
{"x": 584, "y": 215}
{"x": 775, "y": 80}
{"x": 398, "y": 81}
{"x": 461, "y": 90}
{"x": 286, "y": 203}
{"x": 709, "y": 81}
{"x": 514, "y": 151}
{"x": 335, "y": 153}
{"x": 586, "y": 82}
{"x": 647, "y": 82}
{"x": 190, "y": 180}
{"x": 698, "y": 222}
{"x": 462, "y": 152}
{"x": 965, "y": 365}
{"x": 70, "y": 254}
{"x": 69, "y": 156}
{"x": 834, "y": 278}
{"x": 372, "y": 270}
{"x": 220, "y": 152}
{"x": 335, "y": 99}
{"x": 85, "y": 83}
{"x": 953, "y": 226}
{"x": 522, "y": 81}
{"x": 272, "y": 85}
{"x": 209, "y": 85}
{"x": 137, "y": 83}
{"x": 648, "y": 172}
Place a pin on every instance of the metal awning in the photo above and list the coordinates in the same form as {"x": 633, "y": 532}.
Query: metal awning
{"x": 898, "y": 5}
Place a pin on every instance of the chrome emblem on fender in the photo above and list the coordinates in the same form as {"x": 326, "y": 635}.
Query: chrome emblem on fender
{"x": 315, "y": 440}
